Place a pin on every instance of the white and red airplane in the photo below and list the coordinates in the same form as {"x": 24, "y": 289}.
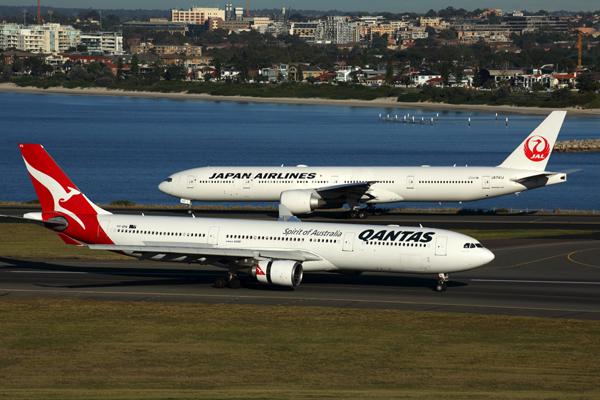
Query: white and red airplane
{"x": 274, "y": 252}
{"x": 302, "y": 189}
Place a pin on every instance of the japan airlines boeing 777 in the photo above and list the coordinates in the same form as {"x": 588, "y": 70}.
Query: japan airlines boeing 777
{"x": 274, "y": 252}
{"x": 303, "y": 189}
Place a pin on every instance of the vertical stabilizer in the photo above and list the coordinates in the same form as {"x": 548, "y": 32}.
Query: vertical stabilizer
{"x": 61, "y": 198}
{"x": 534, "y": 152}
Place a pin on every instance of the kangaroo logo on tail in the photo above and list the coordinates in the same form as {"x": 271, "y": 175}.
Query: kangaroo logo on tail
{"x": 537, "y": 148}
{"x": 58, "y": 193}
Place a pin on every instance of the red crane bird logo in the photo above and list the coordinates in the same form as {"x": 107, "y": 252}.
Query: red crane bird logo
{"x": 537, "y": 148}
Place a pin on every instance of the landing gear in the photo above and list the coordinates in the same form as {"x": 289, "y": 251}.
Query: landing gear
{"x": 442, "y": 282}
{"x": 364, "y": 212}
{"x": 188, "y": 203}
{"x": 358, "y": 214}
{"x": 232, "y": 281}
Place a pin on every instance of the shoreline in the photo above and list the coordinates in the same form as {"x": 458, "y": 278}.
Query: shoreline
{"x": 377, "y": 103}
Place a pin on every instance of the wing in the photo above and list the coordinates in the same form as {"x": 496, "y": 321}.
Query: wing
{"x": 199, "y": 252}
{"x": 349, "y": 192}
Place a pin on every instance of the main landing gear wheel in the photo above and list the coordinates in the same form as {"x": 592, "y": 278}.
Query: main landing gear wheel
{"x": 442, "y": 282}
{"x": 231, "y": 281}
{"x": 220, "y": 283}
{"x": 358, "y": 214}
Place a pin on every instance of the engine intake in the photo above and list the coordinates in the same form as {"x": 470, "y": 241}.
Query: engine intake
{"x": 301, "y": 201}
{"x": 279, "y": 272}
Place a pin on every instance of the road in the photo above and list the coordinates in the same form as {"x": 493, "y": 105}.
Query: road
{"x": 535, "y": 277}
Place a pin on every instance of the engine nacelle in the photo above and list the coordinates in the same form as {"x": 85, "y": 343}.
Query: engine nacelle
{"x": 301, "y": 201}
{"x": 279, "y": 272}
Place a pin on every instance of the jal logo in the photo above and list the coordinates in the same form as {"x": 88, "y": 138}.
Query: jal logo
{"x": 537, "y": 148}
{"x": 259, "y": 271}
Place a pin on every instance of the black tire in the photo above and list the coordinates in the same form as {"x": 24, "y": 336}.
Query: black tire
{"x": 362, "y": 215}
{"x": 220, "y": 283}
{"x": 235, "y": 283}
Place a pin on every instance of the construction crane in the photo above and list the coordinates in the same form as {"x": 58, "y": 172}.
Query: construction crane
{"x": 579, "y": 50}
{"x": 581, "y": 32}
{"x": 39, "y": 12}
{"x": 248, "y": 8}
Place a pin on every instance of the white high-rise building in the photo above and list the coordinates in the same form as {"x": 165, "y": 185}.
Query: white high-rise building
{"x": 337, "y": 30}
{"x": 9, "y": 36}
{"x": 47, "y": 38}
{"x": 197, "y": 15}
{"x": 103, "y": 42}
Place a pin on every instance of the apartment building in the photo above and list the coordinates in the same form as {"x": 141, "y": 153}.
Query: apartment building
{"x": 197, "y": 15}
{"x": 103, "y": 42}
{"x": 47, "y": 38}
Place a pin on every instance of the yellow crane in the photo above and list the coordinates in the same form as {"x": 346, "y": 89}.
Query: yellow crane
{"x": 580, "y": 33}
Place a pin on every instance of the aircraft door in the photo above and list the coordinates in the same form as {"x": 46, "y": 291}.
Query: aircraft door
{"x": 348, "y": 241}
{"x": 334, "y": 180}
{"x": 410, "y": 182}
{"x": 213, "y": 235}
{"x": 485, "y": 182}
{"x": 440, "y": 245}
{"x": 190, "y": 181}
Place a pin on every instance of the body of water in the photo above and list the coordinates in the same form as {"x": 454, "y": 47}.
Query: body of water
{"x": 122, "y": 148}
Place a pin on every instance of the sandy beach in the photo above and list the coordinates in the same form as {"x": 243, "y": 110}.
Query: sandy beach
{"x": 377, "y": 103}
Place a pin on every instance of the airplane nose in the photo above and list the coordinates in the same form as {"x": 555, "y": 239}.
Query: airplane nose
{"x": 164, "y": 187}
{"x": 487, "y": 256}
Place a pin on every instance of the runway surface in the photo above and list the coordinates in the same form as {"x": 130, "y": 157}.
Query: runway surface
{"x": 541, "y": 277}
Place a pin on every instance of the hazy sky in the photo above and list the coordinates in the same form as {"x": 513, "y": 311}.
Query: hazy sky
{"x": 350, "y": 5}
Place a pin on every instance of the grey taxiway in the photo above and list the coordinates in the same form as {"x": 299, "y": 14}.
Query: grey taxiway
{"x": 551, "y": 276}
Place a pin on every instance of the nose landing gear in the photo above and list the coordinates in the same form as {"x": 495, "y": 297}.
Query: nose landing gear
{"x": 442, "y": 282}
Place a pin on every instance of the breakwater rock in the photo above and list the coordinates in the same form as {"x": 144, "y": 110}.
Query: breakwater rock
{"x": 577, "y": 146}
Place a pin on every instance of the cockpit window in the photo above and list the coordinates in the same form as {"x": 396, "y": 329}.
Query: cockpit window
{"x": 169, "y": 179}
{"x": 472, "y": 245}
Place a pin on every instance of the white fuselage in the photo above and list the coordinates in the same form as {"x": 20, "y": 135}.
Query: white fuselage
{"x": 337, "y": 246}
{"x": 392, "y": 184}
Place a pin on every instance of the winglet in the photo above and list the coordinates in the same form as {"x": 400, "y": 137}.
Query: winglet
{"x": 534, "y": 152}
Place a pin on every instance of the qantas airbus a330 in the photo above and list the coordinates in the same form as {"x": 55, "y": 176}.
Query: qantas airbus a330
{"x": 274, "y": 252}
{"x": 302, "y": 189}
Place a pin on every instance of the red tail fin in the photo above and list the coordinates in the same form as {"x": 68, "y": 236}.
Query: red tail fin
{"x": 60, "y": 197}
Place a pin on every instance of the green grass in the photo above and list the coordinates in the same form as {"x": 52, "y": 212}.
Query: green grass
{"x": 62, "y": 349}
{"x": 33, "y": 241}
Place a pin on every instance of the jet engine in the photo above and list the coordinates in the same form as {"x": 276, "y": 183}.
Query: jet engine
{"x": 279, "y": 272}
{"x": 301, "y": 201}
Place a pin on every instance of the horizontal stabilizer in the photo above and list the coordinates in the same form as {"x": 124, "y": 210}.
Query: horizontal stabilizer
{"x": 36, "y": 218}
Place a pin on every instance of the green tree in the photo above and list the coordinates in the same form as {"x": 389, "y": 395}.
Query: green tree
{"x": 445, "y": 73}
{"x": 135, "y": 65}
{"x": 538, "y": 87}
{"x": 120, "y": 68}
{"x": 175, "y": 73}
{"x": 389, "y": 74}
{"x": 586, "y": 83}
{"x": 459, "y": 73}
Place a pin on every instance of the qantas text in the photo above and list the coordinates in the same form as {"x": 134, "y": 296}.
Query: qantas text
{"x": 399, "y": 236}
{"x": 263, "y": 175}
